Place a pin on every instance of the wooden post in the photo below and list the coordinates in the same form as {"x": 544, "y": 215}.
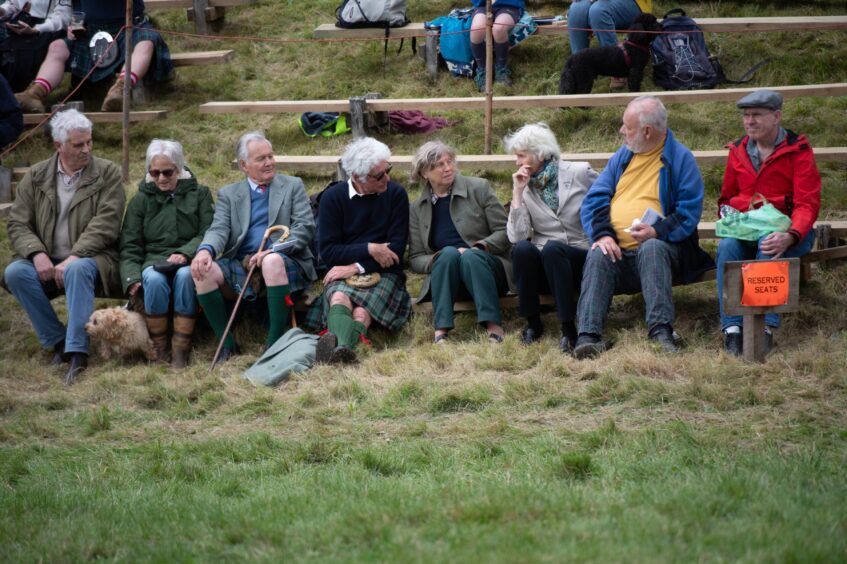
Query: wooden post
{"x": 127, "y": 88}
{"x": 200, "y": 24}
{"x": 489, "y": 71}
{"x": 754, "y": 316}
{"x": 430, "y": 52}
{"x": 358, "y": 116}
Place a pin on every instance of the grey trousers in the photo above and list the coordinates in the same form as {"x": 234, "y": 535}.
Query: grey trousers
{"x": 649, "y": 269}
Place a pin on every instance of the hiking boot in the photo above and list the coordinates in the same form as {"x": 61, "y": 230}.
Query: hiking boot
{"x": 588, "y": 346}
{"x": 157, "y": 327}
{"x": 181, "y": 340}
{"x": 114, "y": 100}
{"x": 32, "y": 99}
{"x": 733, "y": 343}
{"x": 663, "y": 334}
{"x": 479, "y": 78}
{"x": 502, "y": 75}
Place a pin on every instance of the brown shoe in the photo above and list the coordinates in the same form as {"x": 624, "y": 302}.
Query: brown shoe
{"x": 181, "y": 341}
{"x": 157, "y": 327}
{"x": 32, "y": 99}
{"x": 114, "y": 100}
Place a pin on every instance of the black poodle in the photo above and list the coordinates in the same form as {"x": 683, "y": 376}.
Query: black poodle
{"x": 626, "y": 59}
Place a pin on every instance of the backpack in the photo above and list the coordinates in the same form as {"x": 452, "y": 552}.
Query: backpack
{"x": 371, "y": 13}
{"x": 681, "y": 59}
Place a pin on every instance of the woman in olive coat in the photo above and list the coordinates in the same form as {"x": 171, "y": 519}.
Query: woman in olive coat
{"x": 458, "y": 239}
{"x": 163, "y": 225}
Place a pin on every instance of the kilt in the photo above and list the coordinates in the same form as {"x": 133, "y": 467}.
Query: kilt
{"x": 234, "y": 274}
{"x": 79, "y": 63}
{"x": 388, "y": 302}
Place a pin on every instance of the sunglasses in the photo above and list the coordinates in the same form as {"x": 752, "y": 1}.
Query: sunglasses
{"x": 381, "y": 175}
{"x": 167, "y": 173}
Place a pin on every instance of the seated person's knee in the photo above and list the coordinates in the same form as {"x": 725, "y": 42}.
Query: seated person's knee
{"x": 340, "y": 298}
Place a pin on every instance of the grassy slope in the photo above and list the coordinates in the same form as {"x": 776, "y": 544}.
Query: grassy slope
{"x": 423, "y": 452}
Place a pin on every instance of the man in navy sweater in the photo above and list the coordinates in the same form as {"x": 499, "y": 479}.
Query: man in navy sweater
{"x": 363, "y": 227}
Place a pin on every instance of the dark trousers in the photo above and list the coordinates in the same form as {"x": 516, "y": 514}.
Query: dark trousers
{"x": 556, "y": 269}
{"x": 475, "y": 273}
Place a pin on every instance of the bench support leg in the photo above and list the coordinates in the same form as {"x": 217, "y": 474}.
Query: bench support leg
{"x": 201, "y": 26}
{"x": 358, "y": 116}
{"x": 754, "y": 338}
{"x": 431, "y": 53}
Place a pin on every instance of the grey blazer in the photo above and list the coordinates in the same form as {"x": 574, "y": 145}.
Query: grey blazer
{"x": 478, "y": 215}
{"x": 287, "y": 205}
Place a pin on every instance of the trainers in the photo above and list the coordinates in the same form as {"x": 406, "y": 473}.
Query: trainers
{"x": 479, "y": 78}
{"x": 733, "y": 343}
{"x": 663, "y": 334}
{"x": 502, "y": 75}
{"x": 588, "y": 346}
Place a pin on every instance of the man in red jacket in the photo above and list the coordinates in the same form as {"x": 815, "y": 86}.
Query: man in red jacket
{"x": 778, "y": 164}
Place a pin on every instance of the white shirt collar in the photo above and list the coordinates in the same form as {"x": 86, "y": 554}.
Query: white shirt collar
{"x": 351, "y": 191}
{"x": 254, "y": 185}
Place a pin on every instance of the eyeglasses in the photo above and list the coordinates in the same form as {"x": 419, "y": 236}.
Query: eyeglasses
{"x": 167, "y": 173}
{"x": 381, "y": 175}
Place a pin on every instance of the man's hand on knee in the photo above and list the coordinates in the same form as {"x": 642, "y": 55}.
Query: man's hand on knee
{"x": 609, "y": 247}
{"x": 201, "y": 265}
{"x": 59, "y": 271}
{"x": 43, "y": 267}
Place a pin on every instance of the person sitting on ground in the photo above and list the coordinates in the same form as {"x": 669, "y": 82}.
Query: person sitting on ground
{"x": 243, "y": 213}
{"x": 163, "y": 226}
{"x": 780, "y": 165}
{"x": 506, "y": 14}
{"x": 363, "y": 227}
{"x": 24, "y": 42}
{"x": 653, "y": 174}
{"x": 602, "y": 17}
{"x": 457, "y": 237}
{"x": 64, "y": 228}
{"x": 544, "y": 226}
{"x": 150, "y": 55}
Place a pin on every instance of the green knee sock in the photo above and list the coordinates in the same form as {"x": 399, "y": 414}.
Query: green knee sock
{"x": 359, "y": 329}
{"x": 339, "y": 322}
{"x": 215, "y": 310}
{"x": 277, "y": 312}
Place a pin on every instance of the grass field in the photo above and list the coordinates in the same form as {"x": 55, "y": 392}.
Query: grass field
{"x": 461, "y": 453}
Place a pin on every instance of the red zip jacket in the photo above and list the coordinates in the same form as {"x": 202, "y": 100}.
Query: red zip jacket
{"x": 789, "y": 179}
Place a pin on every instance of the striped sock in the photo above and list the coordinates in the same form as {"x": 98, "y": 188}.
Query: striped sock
{"x": 133, "y": 77}
{"x": 44, "y": 84}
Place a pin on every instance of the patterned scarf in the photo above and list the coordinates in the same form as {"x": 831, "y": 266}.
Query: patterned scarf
{"x": 546, "y": 183}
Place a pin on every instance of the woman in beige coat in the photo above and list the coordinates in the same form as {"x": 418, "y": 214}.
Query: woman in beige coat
{"x": 544, "y": 225}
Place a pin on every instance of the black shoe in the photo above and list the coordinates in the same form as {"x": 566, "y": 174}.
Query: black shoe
{"x": 733, "y": 343}
{"x": 79, "y": 362}
{"x": 663, "y": 334}
{"x": 226, "y": 354}
{"x": 342, "y": 355}
{"x": 530, "y": 335}
{"x": 566, "y": 345}
{"x": 59, "y": 356}
{"x": 326, "y": 344}
{"x": 588, "y": 346}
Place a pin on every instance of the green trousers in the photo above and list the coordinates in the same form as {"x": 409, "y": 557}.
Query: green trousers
{"x": 474, "y": 273}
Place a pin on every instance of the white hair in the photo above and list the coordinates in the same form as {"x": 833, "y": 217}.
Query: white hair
{"x": 362, "y": 155}
{"x": 427, "y": 156}
{"x": 245, "y": 140}
{"x": 66, "y": 121}
{"x": 536, "y": 139}
{"x": 651, "y": 112}
{"x": 168, "y": 148}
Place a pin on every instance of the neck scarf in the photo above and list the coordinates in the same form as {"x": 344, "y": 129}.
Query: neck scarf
{"x": 546, "y": 183}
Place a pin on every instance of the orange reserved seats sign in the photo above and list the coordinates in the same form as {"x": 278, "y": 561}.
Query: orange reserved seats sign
{"x": 764, "y": 283}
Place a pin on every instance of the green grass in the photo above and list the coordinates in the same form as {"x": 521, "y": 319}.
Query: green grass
{"x": 430, "y": 453}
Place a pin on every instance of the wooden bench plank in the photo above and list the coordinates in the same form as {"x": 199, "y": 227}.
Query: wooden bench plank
{"x": 105, "y": 117}
{"x": 197, "y": 58}
{"x": 186, "y": 4}
{"x": 272, "y": 107}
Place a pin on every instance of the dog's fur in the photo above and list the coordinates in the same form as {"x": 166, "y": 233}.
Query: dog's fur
{"x": 120, "y": 332}
{"x": 581, "y": 69}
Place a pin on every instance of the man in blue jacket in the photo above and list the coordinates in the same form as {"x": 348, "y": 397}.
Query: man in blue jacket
{"x": 641, "y": 215}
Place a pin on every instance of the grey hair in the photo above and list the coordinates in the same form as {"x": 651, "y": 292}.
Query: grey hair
{"x": 652, "y": 112}
{"x": 534, "y": 138}
{"x": 427, "y": 156}
{"x": 245, "y": 140}
{"x": 362, "y": 155}
{"x": 64, "y": 122}
{"x": 167, "y": 148}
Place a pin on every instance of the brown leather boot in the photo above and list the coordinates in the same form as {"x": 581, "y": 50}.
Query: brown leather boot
{"x": 157, "y": 326}
{"x": 181, "y": 341}
{"x": 32, "y": 99}
{"x": 114, "y": 100}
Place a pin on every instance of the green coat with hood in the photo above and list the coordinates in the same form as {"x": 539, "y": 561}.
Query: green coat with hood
{"x": 158, "y": 224}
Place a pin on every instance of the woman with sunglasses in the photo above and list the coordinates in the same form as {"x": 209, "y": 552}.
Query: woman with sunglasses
{"x": 164, "y": 223}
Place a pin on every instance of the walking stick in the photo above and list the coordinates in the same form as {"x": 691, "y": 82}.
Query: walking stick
{"x": 268, "y": 232}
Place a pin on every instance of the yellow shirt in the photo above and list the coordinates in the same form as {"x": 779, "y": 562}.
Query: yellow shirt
{"x": 637, "y": 190}
{"x": 645, "y": 5}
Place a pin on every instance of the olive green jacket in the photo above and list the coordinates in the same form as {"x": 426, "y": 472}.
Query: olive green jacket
{"x": 94, "y": 219}
{"x": 478, "y": 215}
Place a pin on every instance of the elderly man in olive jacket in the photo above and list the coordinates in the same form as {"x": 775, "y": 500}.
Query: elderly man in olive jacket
{"x": 64, "y": 227}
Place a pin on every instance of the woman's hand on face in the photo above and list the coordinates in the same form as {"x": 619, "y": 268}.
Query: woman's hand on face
{"x": 521, "y": 177}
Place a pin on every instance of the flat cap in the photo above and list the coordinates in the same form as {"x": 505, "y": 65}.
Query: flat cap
{"x": 761, "y": 99}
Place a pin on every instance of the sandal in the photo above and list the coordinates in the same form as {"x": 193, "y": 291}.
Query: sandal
{"x": 495, "y": 339}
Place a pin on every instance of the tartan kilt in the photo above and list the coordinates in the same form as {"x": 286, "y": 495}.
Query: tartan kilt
{"x": 79, "y": 63}
{"x": 234, "y": 274}
{"x": 388, "y": 302}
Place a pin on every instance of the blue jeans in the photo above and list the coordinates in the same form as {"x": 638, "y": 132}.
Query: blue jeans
{"x": 649, "y": 269}
{"x": 735, "y": 249}
{"x": 157, "y": 291}
{"x": 80, "y": 280}
{"x": 602, "y": 14}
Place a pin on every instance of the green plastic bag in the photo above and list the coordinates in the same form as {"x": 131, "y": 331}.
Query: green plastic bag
{"x": 754, "y": 224}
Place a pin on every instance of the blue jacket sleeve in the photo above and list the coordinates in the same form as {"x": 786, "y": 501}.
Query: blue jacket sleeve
{"x": 595, "y": 212}
{"x": 683, "y": 200}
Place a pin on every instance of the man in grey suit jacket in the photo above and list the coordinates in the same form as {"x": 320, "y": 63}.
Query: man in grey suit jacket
{"x": 243, "y": 213}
